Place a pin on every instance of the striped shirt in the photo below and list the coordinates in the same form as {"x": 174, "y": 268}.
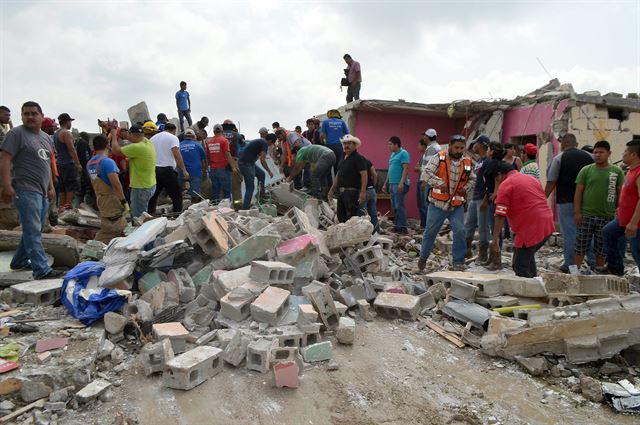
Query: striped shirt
{"x": 531, "y": 168}
{"x": 454, "y": 175}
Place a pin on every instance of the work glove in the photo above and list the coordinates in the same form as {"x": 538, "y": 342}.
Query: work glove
{"x": 127, "y": 210}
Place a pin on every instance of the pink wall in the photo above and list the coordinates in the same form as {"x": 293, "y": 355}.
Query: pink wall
{"x": 375, "y": 129}
{"x": 529, "y": 120}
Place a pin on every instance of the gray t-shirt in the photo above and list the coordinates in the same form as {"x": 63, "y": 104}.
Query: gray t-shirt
{"x": 31, "y": 163}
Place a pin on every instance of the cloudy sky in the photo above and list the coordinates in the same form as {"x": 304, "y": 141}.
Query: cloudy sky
{"x": 261, "y": 61}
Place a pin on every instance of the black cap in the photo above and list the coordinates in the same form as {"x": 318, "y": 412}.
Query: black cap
{"x": 64, "y": 117}
{"x": 136, "y": 129}
{"x": 169, "y": 126}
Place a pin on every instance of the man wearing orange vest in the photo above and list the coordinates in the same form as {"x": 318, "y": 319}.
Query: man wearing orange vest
{"x": 448, "y": 174}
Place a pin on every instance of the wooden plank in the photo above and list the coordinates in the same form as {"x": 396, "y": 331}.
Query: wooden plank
{"x": 13, "y": 415}
{"x": 446, "y": 335}
{"x": 10, "y": 313}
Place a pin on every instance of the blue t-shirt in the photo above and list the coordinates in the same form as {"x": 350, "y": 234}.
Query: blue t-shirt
{"x": 192, "y": 154}
{"x": 107, "y": 166}
{"x": 252, "y": 150}
{"x": 395, "y": 166}
{"x": 182, "y": 96}
{"x": 333, "y": 130}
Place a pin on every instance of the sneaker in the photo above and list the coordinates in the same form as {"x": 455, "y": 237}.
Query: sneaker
{"x": 564, "y": 269}
{"x": 53, "y": 274}
{"x": 458, "y": 267}
{"x": 601, "y": 270}
{"x": 422, "y": 263}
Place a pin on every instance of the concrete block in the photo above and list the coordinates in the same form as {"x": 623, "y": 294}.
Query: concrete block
{"x": 631, "y": 302}
{"x": 272, "y": 272}
{"x": 427, "y": 301}
{"x": 225, "y": 336}
{"x": 603, "y": 305}
{"x": 270, "y": 306}
{"x": 318, "y": 352}
{"x": 252, "y": 248}
{"x": 184, "y": 283}
{"x": 236, "y": 305}
{"x": 138, "y": 113}
{"x": 200, "y": 317}
{"x": 207, "y": 338}
{"x": 299, "y": 249}
{"x": 37, "y": 292}
{"x": 461, "y": 290}
{"x": 300, "y": 221}
{"x": 175, "y": 332}
{"x": 92, "y": 391}
{"x": 385, "y": 243}
{"x": 356, "y": 230}
{"x": 523, "y": 287}
{"x": 34, "y": 390}
{"x": 192, "y": 368}
{"x": 536, "y": 366}
{"x": 613, "y": 342}
{"x": 289, "y": 336}
{"x": 307, "y": 314}
{"x": 155, "y": 356}
{"x": 236, "y": 350}
{"x": 364, "y": 308}
{"x": 224, "y": 281}
{"x": 500, "y": 324}
{"x": 353, "y": 293}
{"x": 114, "y": 323}
{"x": 583, "y": 349}
{"x": 496, "y": 302}
{"x": 320, "y": 296}
{"x": 259, "y": 354}
{"x": 341, "y": 308}
{"x": 284, "y": 354}
{"x": 538, "y": 317}
{"x": 367, "y": 256}
{"x": 286, "y": 375}
{"x": 397, "y": 306}
{"x": 346, "y": 332}
{"x": 310, "y": 334}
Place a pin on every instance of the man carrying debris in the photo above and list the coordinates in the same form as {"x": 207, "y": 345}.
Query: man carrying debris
{"x": 351, "y": 181}
{"x": 142, "y": 163}
{"x": 319, "y": 159}
{"x": 221, "y": 164}
{"x": 291, "y": 142}
{"x": 449, "y": 174}
{"x": 561, "y": 177}
{"x": 256, "y": 149}
{"x": 168, "y": 156}
{"x": 26, "y": 162}
{"x": 521, "y": 200}
{"x": 113, "y": 206}
{"x": 627, "y": 220}
{"x": 69, "y": 166}
{"x": 597, "y": 190}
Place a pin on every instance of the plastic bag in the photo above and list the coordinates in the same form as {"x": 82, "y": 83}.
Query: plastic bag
{"x": 88, "y": 304}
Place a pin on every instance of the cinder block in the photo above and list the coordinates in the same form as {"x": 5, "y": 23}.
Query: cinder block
{"x": 367, "y": 256}
{"x": 37, "y": 292}
{"x": 186, "y": 288}
{"x": 299, "y": 249}
{"x": 286, "y": 375}
{"x": 364, "y": 308}
{"x": 253, "y": 248}
{"x": 612, "y": 343}
{"x": 192, "y": 368}
{"x": 603, "y": 305}
{"x": 155, "y": 356}
{"x": 114, "y": 323}
{"x": 346, "y": 332}
{"x": 397, "y": 306}
{"x": 270, "y": 306}
{"x": 225, "y": 281}
{"x": 583, "y": 349}
{"x": 307, "y": 314}
{"x": 320, "y": 296}
{"x": 284, "y": 354}
{"x": 259, "y": 354}
{"x": 310, "y": 334}
{"x": 175, "y": 332}
{"x": 300, "y": 221}
{"x": 236, "y": 350}
{"x": 236, "y": 305}
{"x": 462, "y": 290}
{"x": 289, "y": 336}
{"x": 318, "y": 352}
{"x": 341, "y": 308}
{"x": 273, "y": 272}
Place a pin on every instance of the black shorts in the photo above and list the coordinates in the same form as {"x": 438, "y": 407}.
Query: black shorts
{"x": 68, "y": 179}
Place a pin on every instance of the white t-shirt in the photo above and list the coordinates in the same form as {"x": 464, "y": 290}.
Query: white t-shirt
{"x": 164, "y": 142}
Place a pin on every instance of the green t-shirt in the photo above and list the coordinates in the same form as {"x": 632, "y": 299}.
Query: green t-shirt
{"x": 311, "y": 153}
{"x": 600, "y": 190}
{"x": 142, "y": 164}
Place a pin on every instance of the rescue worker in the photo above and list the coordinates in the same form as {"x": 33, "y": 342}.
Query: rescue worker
{"x": 104, "y": 175}
{"x": 321, "y": 159}
{"x": 236, "y": 146}
{"x": 448, "y": 174}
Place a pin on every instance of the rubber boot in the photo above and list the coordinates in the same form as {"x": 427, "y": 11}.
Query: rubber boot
{"x": 495, "y": 261}
{"x": 468, "y": 254}
{"x": 483, "y": 256}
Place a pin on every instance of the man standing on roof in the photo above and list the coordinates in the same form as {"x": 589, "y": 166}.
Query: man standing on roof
{"x": 332, "y": 130}
{"x": 183, "y": 103}
{"x": 167, "y": 157}
{"x": 354, "y": 76}
{"x": 105, "y": 180}
{"x": 449, "y": 174}
{"x": 69, "y": 166}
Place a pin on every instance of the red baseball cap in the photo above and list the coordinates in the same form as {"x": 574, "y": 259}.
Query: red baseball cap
{"x": 530, "y": 149}
{"x": 48, "y": 122}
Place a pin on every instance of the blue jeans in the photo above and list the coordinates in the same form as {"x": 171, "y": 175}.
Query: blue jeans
{"x": 33, "y": 210}
{"x": 339, "y": 153}
{"x": 435, "y": 220}
{"x": 568, "y": 229}
{"x": 220, "y": 179}
{"x": 140, "y": 200}
{"x": 372, "y": 199}
{"x": 249, "y": 172}
{"x": 397, "y": 198}
{"x": 614, "y": 241}
{"x": 477, "y": 219}
{"x": 423, "y": 204}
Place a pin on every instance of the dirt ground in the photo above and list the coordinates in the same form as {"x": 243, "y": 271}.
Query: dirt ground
{"x": 395, "y": 373}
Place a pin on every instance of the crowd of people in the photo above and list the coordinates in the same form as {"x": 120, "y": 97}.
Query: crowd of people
{"x": 475, "y": 185}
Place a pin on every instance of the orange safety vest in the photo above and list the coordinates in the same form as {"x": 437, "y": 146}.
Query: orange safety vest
{"x": 443, "y": 173}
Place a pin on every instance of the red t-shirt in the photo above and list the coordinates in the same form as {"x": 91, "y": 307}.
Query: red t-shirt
{"x": 521, "y": 199}
{"x": 217, "y": 147}
{"x": 628, "y": 197}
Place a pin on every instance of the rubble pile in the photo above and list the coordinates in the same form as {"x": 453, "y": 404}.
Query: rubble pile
{"x": 272, "y": 290}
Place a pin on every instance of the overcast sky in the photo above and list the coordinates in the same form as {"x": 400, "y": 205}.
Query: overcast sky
{"x": 262, "y": 61}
